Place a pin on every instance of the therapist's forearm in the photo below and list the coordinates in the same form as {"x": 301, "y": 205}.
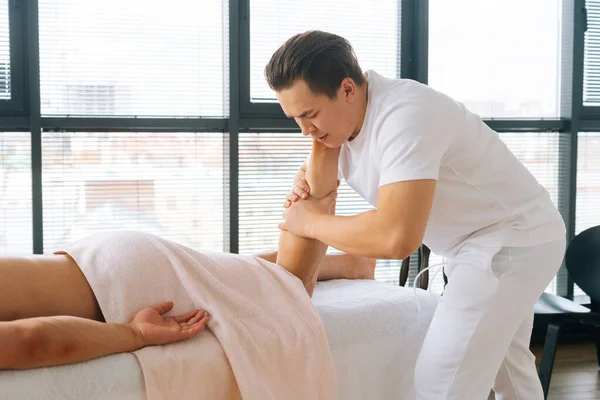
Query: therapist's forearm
{"x": 365, "y": 235}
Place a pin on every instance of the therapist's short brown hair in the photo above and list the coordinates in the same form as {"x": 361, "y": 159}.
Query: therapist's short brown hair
{"x": 323, "y": 60}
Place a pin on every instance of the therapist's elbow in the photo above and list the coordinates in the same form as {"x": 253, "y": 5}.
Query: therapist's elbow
{"x": 401, "y": 247}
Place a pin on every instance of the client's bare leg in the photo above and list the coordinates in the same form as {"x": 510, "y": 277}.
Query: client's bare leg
{"x": 47, "y": 285}
{"x": 337, "y": 266}
{"x": 302, "y": 256}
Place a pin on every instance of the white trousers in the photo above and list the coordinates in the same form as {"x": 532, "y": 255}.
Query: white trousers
{"x": 480, "y": 332}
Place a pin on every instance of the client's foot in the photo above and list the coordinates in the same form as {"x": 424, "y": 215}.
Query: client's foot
{"x": 359, "y": 267}
{"x": 345, "y": 266}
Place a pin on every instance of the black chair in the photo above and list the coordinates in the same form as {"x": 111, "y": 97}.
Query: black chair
{"x": 582, "y": 260}
{"x": 423, "y": 262}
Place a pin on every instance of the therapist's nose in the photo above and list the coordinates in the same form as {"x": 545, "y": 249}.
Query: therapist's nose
{"x": 307, "y": 128}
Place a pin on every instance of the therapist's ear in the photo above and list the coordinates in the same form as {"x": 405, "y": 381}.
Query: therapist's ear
{"x": 348, "y": 88}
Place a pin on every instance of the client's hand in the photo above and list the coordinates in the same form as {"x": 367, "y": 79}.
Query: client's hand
{"x": 153, "y": 329}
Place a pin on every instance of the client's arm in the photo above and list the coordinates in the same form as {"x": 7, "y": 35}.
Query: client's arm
{"x": 48, "y": 341}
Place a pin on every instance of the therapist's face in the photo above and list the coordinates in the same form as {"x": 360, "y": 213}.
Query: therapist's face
{"x": 329, "y": 120}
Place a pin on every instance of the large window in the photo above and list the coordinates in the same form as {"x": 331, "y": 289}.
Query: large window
{"x": 134, "y": 61}
{"x": 499, "y": 57}
{"x": 133, "y": 58}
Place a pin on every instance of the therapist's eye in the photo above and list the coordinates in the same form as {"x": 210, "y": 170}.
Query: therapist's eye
{"x": 313, "y": 116}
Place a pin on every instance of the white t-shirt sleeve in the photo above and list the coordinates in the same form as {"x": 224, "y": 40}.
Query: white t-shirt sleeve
{"x": 411, "y": 144}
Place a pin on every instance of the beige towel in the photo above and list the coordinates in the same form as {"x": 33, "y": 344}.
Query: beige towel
{"x": 270, "y": 335}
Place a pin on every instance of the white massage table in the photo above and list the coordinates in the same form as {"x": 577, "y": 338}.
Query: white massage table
{"x": 375, "y": 331}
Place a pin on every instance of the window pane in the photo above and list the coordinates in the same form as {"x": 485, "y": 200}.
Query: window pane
{"x": 5, "y": 81}
{"x": 135, "y": 57}
{"x": 372, "y": 27}
{"x": 588, "y": 181}
{"x": 499, "y": 57}
{"x": 170, "y": 184}
{"x": 268, "y": 162}
{"x": 587, "y": 213}
{"x": 16, "y": 235}
{"x": 591, "y": 63}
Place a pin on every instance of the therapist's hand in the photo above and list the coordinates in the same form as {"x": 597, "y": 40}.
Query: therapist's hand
{"x": 300, "y": 217}
{"x": 300, "y": 189}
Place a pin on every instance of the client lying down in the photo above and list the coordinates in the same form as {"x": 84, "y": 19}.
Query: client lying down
{"x": 54, "y": 306}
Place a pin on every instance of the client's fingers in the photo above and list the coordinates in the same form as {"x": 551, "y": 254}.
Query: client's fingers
{"x": 204, "y": 320}
{"x": 199, "y": 324}
{"x": 163, "y": 308}
{"x": 190, "y": 330}
{"x": 199, "y": 315}
{"x": 186, "y": 317}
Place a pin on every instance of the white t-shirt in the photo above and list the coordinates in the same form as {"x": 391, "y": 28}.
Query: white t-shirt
{"x": 413, "y": 132}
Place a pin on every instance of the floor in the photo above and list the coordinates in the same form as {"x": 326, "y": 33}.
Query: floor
{"x": 576, "y": 375}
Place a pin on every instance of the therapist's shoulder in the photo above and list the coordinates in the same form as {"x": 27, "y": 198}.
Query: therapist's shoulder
{"x": 401, "y": 98}
{"x": 406, "y": 107}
